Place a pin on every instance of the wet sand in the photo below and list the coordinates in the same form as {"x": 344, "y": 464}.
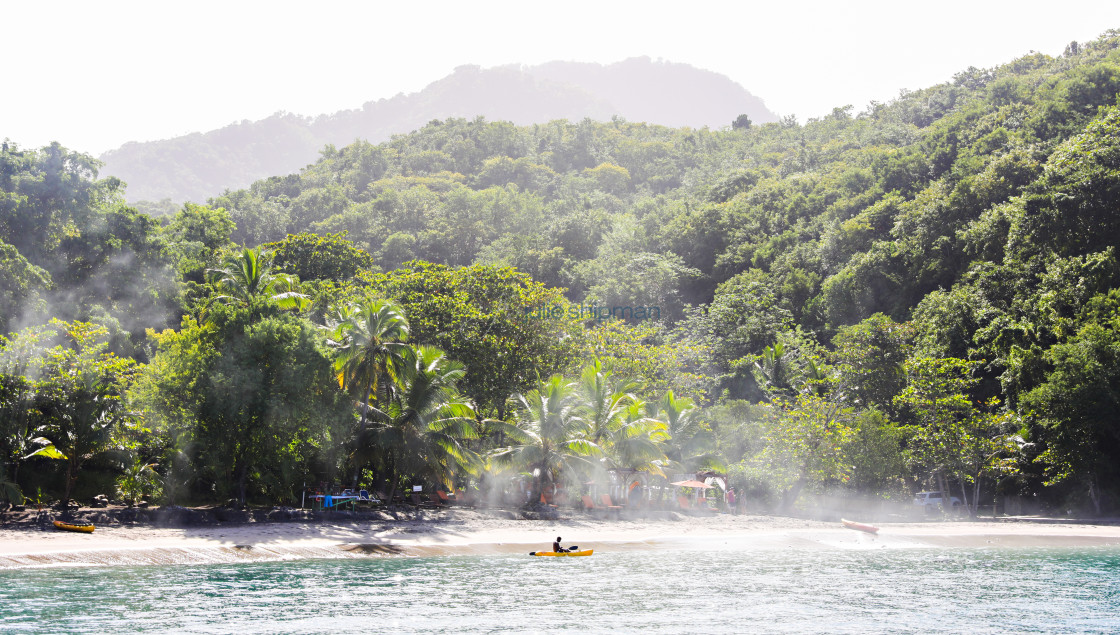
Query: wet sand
{"x": 449, "y": 532}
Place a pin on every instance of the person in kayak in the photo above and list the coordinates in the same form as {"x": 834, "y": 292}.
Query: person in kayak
{"x": 556, "y": 548}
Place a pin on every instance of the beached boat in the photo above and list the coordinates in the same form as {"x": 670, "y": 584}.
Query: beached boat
{"x": 582, "y": 552}
{"x": 851, "y": 524}
{"x": 74, "y": 525}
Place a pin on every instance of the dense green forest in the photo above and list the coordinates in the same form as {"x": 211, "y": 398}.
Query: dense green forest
{"x": 924, "y": 294}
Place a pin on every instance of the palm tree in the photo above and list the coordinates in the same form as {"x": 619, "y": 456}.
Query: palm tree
{"x": 603, "y": 401}
{"x": 549, "y": 438}
{"x": 636, "y": 440}
{"x": 773, "y": 371}
{"x": 138, "y": 480}
{"x": 424, "y": 428}
{"x": 688, "y": 446}
{"x": 370, "y": 339}
{"x": 248, "y": 276}
{"x": 616, "y": 421}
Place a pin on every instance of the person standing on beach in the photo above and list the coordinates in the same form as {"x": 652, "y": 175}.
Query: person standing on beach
{"x": 731, "y": 501}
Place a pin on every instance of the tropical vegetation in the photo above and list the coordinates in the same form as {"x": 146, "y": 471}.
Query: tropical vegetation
{"x": 923, "y": 294}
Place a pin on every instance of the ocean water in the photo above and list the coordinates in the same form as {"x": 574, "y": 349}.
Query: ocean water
{"x": 695, "y": 589}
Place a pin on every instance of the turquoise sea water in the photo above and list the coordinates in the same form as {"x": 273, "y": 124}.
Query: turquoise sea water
{"x": 696, "y": 589}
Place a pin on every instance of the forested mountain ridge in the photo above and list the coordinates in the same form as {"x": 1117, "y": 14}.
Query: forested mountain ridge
{"x": 926, "y": 292}
{"x": 816, "y": 209}
{"x": 198, "y": 165}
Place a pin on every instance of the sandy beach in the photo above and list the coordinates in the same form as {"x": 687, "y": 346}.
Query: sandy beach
{"x": 446, "y": 532}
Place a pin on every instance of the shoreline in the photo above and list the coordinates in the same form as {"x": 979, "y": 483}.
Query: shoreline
{"x": 467, "y": 532}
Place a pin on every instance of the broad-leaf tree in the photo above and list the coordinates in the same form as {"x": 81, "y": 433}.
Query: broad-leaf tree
{"x": 254, "y": 400}
{"x": 313, "y": 257}
{"x": 488, "y": 318}
{"x": 80, "y": 398}
{"x": 806, "y": 441}
{"x": 954, "y": 436}
{"x": 1077, "y": 406}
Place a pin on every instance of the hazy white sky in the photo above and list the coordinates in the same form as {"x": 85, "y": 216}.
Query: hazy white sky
{"x": 95, "y": 74}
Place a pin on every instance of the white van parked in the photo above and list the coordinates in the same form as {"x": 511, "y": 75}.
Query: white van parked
{"x": 934, "y": 499}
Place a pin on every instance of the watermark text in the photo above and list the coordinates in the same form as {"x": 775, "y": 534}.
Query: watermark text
{"x": 593, "y": 312}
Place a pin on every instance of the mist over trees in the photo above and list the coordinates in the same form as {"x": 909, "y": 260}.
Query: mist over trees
{"x": 921, "y": 295}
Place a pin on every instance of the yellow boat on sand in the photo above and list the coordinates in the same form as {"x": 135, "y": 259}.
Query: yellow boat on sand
{"x": 74, "y": 525}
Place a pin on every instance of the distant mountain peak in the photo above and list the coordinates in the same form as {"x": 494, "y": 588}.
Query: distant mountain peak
{"x": 200, "y": 165}
{"x": 659, "y": 91}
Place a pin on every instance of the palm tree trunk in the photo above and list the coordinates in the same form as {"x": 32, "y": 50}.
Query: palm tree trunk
{"x": 946, "y": 495}
{"x": 393, "y": 480}
{"x": 241, "y": 471}
{"x": 964, "y": 497}
{"x": 794, "y": 491}
{"x": 501, "y": 417}
{"x": 70, "y": 471}
{"x": 365, "y": 409}
{"x": 538, "y": 486}
{"x": 976, "y": 496}
{"x": 241, "y": 488}
{"x": 1095, "y": 494}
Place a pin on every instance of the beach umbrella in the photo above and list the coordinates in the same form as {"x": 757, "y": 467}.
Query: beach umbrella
{"x": 696, "y": 484}
{"x": 693, "y": 484}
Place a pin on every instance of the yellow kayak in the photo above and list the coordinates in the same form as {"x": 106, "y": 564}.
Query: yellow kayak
{"x": 77, "y": 525}
{"x": 582, "y": 552}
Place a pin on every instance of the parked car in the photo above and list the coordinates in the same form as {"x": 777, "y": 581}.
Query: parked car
{"x": 930, "y": 500}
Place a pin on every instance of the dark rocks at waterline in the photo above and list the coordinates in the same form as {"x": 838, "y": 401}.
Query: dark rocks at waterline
{"x": 176, "y": 516}
{"x": 173, "y": 516}
{"x": 226, "y": 515}
{"x": 286, "y": 514}
{"x": 540, "y": 511}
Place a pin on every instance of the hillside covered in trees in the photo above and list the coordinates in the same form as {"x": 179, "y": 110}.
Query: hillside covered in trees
{"x": 923, "y": 293}
{"x": 195, "y": 166}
